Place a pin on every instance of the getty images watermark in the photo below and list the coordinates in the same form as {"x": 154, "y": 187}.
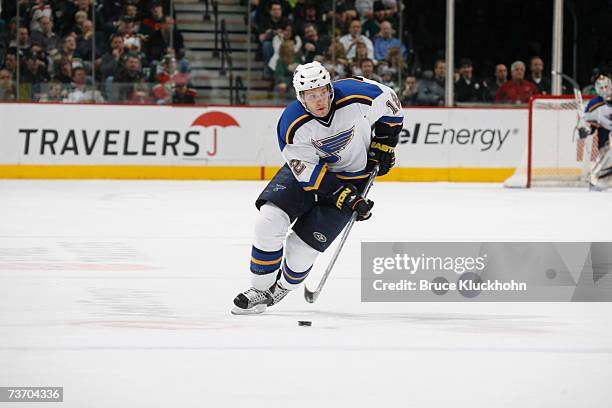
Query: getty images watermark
{"x": 487, "y": 271}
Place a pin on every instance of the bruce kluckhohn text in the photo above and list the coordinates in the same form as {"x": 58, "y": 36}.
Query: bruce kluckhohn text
{"x": 422, "y": 263}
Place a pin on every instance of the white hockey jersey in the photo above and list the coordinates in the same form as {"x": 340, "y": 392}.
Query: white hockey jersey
{"x": 339, "y": 142}
{"x": 600, "y": 112}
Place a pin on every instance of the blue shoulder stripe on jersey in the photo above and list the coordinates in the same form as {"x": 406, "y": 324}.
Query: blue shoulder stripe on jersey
{"x": 355, "y": 90}
{"x": 594, "y": 104}
{"x": 290, "y": 121}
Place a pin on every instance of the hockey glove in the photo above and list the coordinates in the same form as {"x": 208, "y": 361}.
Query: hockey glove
{"x": 347, "y": 198}
{"x": 584, "y": 132}
{"x": 381, "y": 154}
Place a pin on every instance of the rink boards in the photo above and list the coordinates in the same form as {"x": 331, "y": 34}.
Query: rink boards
{"x": 236, "y": 143}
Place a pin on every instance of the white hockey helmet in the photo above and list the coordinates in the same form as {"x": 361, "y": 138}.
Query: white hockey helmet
{"x": 310, "y": 76}
{"x": 603, "y": 87}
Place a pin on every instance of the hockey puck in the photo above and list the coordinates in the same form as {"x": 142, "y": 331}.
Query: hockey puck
{"x": 304, "y": 323}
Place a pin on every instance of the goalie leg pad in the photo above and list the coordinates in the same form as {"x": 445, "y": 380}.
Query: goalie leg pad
{"x": 603, "y": 166}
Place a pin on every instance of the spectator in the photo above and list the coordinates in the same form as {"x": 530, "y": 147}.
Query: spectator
{"x": 111, "y": 60}
{"x": 367, "y": 70}
{"x": 287, "y": 62}
{"x": 81, "y": 92}
{"x": 371, "y": 27}
{"x": 270, "y": 25}
{"x": 431, "y": 90}
{"x": 38, "y": 10}
{"x": 132, "y": 41}
{"x": 311, "y": 17}
{"x": 388, "y": 77}
{"x": 128, "y": 74}
{"x": 160, "y": 41}
{"x": 314, "y": 44}
{"x": 500, "y": 77}
{"x": 10, "y": 61}
{"x": 393, "y": 64}
{"x": 33, "y": 72}
{"x": 409, "y": 91}
{"x": 335, "y": 61}
{"x": 167, "y": 69}
{"x": 85, "y": 42}
{"x": 63, "y": 16}
{"x": 63, "y": 71}
{"x": 45, "y": 37}
{"x": 154, "y": 22}
{"x": 361, "y": 53}
{"x": 345, "y": 12}
{"x": 183, "y": 95}
{"x": 55, "y": 92}
{"x": 542, "y": 82}
{"x": 386, "y": 41}
{"x": 469, "y": 88}
{"x": 7, "y": 86}
{"x": 23, "y": 39}
{"x": 285, "y": 34}
{"x": 367, "y": 8}
{"x": 350, "y": 40}
{"x": 517, "y": 89}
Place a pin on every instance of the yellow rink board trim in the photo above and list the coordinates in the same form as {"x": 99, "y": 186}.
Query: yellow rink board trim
{"x": 462, "y": 174}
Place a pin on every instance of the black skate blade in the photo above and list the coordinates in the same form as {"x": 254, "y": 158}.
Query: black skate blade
{"x": 257, "y": 309}
{"x": 310, "y": 297}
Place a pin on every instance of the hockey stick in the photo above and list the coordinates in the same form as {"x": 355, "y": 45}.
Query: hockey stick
{"x": 588, "y": 141}
{"x": 311, "y": 296}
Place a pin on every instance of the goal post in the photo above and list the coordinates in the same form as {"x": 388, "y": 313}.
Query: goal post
{"x": 554, "y": 155}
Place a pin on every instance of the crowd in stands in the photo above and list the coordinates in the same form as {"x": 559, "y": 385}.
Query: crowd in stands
{"x": 364, "y": 40}
{"x": 72, "y": 51}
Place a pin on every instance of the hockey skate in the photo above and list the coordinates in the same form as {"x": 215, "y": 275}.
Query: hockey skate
{"x": 255, "y": 301}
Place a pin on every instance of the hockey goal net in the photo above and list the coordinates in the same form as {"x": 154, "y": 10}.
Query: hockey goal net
{"x": 554, "y": 155}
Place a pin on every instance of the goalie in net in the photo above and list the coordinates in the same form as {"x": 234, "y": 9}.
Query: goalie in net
{"x": 567, "y": 144}
{"x": 598, "y": 121}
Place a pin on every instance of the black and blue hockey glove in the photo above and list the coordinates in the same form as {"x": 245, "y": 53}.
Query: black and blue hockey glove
{"x": 347, "y": 198}
{"x": 382, "y": 155}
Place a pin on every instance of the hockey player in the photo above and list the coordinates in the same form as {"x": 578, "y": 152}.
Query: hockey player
{"x": 326, "y": 140}
{"x": 598, "y": 117}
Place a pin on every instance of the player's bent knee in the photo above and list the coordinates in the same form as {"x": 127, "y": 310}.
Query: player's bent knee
{"x": 271, "y": 227}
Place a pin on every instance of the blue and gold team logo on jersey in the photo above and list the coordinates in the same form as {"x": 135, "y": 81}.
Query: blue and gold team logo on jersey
{"x": 332, "y": 145}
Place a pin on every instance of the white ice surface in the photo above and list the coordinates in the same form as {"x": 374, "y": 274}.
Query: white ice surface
{"x": 120, "y": 292}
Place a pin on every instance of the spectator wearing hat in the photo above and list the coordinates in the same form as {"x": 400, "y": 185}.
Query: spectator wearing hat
{"x": 517, "y": 89}
{"x": 469, "y": 88}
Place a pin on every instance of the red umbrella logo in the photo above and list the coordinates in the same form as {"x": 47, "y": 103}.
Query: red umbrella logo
{"x": 216, "y": 119}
